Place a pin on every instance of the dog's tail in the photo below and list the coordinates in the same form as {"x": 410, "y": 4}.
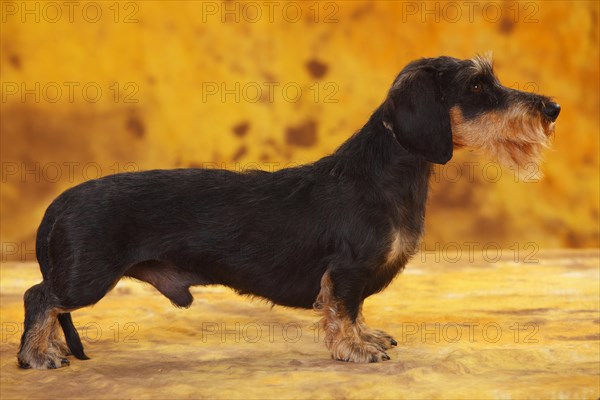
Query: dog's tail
{"x": 43, "y": 257}
{"x": 71, "y": 335}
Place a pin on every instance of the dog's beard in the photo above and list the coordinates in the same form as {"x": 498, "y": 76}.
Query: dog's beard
{"x": 515, "y": 138}
{"x": 520, "y": 145}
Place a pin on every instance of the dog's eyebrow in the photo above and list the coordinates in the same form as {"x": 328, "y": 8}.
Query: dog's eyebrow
{"x": 483, "y": 64}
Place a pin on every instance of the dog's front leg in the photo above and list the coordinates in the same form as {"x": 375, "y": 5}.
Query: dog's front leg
{"x": 339, "y": 304}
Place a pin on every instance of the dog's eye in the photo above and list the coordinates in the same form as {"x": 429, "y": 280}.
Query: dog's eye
{"x": 476, "y": 87}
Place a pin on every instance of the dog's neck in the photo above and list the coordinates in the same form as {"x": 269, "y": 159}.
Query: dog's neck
{"x": 386, "y": 171}
{"x": 374, "y": 153}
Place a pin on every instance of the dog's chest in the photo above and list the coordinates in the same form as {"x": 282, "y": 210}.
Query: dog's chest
{"x": 402, "y": 245}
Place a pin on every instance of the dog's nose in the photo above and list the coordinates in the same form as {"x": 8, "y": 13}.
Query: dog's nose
{"x": 552, "y": 110}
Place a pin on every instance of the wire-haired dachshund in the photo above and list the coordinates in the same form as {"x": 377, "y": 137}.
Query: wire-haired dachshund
{"x": 325, "y": 235}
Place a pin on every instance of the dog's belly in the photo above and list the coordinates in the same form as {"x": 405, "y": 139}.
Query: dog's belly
{"x": 174, "y": 283}
{"x": 301, "y": 295}
{"x": 286, "y": 286}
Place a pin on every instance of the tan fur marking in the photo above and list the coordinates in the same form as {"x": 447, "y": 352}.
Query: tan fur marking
{"x": 515, "y": 137}
{"x": 56, "y": 342}
{"x": 403, "y": 245}
{"x": 396, "y": 249}
{"x": 344, "y": 339}
{"x": 38, "y": 350}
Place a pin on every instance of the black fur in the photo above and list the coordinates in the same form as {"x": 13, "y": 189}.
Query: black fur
{"x": 271, "y": 235}
{"x": 268, "y": 234}
{"x": 419, "y": 116}
{"x": 71, "y": 336}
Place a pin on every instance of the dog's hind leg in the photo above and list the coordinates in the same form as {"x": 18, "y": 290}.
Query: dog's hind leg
{"x": 36, "y": 350}
{"x": 340, "y": 305}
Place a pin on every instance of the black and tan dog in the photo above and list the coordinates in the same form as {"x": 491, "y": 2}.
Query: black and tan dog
{"x": 325, "y": 235}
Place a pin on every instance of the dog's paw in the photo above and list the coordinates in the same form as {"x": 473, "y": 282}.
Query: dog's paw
{"x": 379, "y": 338}
{"x": 42, "y": 361}
{"x": 358, "y": 351}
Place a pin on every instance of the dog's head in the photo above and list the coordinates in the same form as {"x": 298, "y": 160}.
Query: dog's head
{"x": 436, "y": 104}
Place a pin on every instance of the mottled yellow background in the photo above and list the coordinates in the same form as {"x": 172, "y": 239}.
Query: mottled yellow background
{"x": 92, "y": 88}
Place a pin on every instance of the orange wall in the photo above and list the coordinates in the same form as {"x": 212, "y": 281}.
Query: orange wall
{"x": 189, "y": 83}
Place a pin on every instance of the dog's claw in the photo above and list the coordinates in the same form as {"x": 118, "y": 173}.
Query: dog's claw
{"x": 64, "y": 362}
{"x": 374, "y": 358}
{"x": 393, "y": 342}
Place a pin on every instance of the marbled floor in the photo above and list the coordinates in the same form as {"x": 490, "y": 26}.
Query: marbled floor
{"x": 466, "y": 329}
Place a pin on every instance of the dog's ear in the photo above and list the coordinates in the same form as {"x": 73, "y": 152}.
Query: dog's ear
{"x": 416, "y": 113}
